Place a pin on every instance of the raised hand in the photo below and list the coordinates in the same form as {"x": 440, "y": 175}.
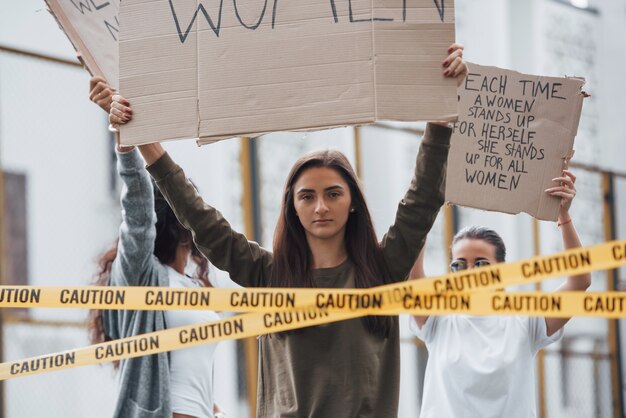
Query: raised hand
{"x": 453, "y": 65}
{"x": 120, "y": 112}
{"x": 566, "y": 191}
{"x": 101, "y": 93}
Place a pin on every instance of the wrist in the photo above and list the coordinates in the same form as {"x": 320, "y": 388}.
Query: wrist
{"x": 442, "y": 123}
{"x": 151, "y": 152}
{"x": 118, "y": 145}
{"x": 122, "y": 149}
{"x": 562, "y": 221}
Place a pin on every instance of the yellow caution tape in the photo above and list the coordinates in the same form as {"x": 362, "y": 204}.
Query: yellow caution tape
{"x": 276, "y": 310}
{"x": 549, "y": 305}
{"x": 240, "y": 326}
{"x": 558, "y": 304}
{"x": 573, "y": 262}
{"x": 568, "y": 263}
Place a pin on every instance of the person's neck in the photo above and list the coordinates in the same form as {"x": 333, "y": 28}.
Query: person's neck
{"x": 180, "y": 262}
{"x": 327, "y": 253}
{"x": 178, "y": 267}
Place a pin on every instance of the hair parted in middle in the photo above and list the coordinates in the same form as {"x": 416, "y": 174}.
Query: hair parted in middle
{"x": 293, "y": 260}
{"x": 484, "y": 234}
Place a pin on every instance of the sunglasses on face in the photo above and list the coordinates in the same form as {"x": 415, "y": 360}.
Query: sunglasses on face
{"x": 458, "y": 265}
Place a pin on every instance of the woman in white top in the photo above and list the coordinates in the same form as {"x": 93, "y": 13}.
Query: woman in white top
{"x": 483, "y": 366}
{"x": 153, "y": 249}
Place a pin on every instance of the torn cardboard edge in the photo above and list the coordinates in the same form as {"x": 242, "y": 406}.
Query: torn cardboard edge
{"x": 208, "y": 140}
{"x": 82, "y": 53}
{"x": 91, "y": 29}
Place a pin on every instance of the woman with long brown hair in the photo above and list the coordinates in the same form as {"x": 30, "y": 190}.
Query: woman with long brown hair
{"x": 152, "y": 249}
{"x": 324, "y": 238}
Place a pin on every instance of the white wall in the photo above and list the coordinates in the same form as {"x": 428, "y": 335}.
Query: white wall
{"x": 52, "y": 133}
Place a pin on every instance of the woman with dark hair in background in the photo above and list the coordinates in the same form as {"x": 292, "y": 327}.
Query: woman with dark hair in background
{"x": 324, "y": 238}
{"x": 483, "y": 366}
{"x": 153, "y": 249}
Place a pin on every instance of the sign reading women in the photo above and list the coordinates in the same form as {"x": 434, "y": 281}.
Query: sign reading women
{"x": 223, "y": 68}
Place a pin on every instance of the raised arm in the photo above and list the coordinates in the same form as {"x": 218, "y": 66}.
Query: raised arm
{"x": 101, "y": 93}
{"x": 418, "y": 209}
{"x": 246, "y": 261}
{"x": 417, "y": 272}
{"x": 566, "y": 191}
{"x": 133, "y": 263}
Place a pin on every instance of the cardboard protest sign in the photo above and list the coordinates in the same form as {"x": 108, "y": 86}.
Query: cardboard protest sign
{"x": 514, "y": 134}
{"x": 210, "y": 70}
{"x": 93, "y": 28}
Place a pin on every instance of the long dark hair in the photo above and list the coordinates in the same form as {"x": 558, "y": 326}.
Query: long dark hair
{"x": 485, "y": 234}
{"x": 169, "y": 234}
{"x": 292, "y": 255}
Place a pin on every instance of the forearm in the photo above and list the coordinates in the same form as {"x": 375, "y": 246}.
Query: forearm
{"x": 565, "y": 191}
{"x": 568, "y": 231}
{"x": 572, "y": 240}
{"x": 419, "y": 208}
{"x": 417, "y": 272}
{"x": 137, "y": 198}
{"x": 137, "y": 231}
{"x": 151, "y": 152}
{"x": 247, "y": 263}
{"x": 573, "y": 283}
